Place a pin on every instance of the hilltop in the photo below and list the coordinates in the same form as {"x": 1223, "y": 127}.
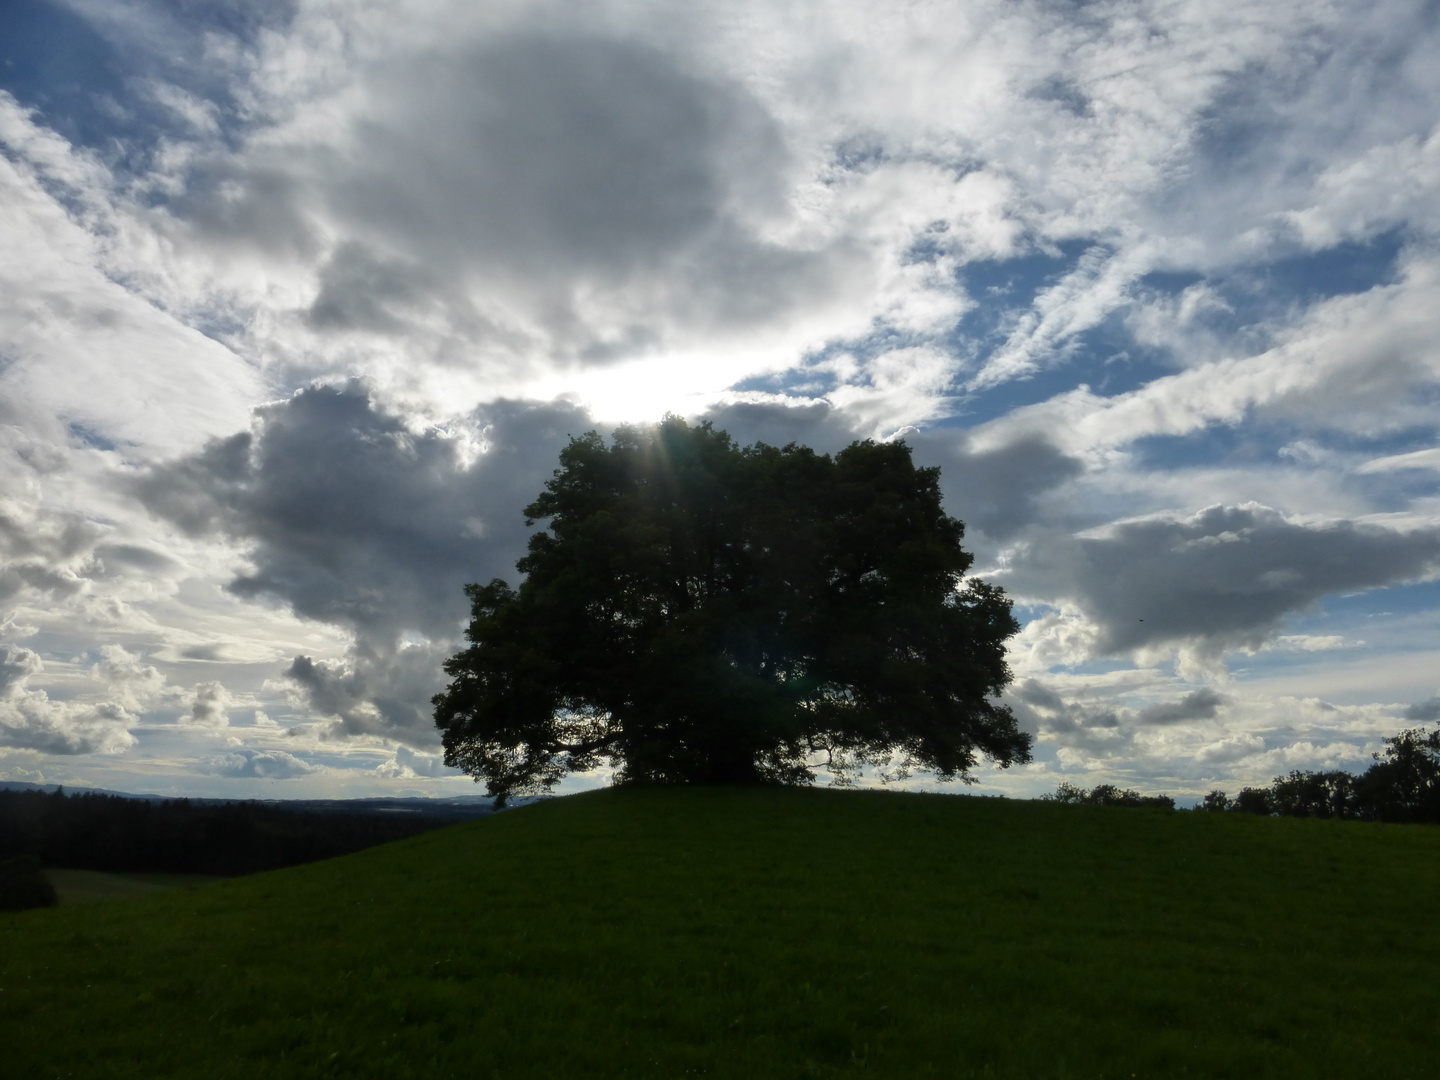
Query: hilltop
{"x": 763, "y": 932}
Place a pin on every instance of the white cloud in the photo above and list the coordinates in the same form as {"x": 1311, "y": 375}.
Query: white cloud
{"x": 130, "y": 682}
{"x": 407, "y": 764}
{"x": 81, "y": 348}
{"x": 208, "y": 708}
{"x": 258, "y": 764}
{"x": 29, "y": 719}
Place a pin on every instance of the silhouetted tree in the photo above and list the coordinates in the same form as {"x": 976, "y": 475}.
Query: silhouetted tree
{"x": 1404, "y": 782}
{"x": 1313, "y": 794}
{"x": 1402, "y": 786}
{"x": 1252, "y": 801}
{"x": 1215, "y": 801}
{"x": 701, "y": 612}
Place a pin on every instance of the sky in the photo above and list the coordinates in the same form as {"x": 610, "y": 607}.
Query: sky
{"x": 300, "y": 299}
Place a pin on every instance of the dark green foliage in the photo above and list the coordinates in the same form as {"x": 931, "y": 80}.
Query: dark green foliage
{"x": 1314, "y": 794}
{"x": 1402, "y": 786}
{"x": 119, "y": 835}
{"x": 701, "y": 612}
{"x": 1107, "y": 795}
{"x": 1404, "y": 782}
{"x": 1252, "y": 801}
{"x": 762, "y": 933}
{"x": 22, "y": 885}
{"x": 1215, "y": 801}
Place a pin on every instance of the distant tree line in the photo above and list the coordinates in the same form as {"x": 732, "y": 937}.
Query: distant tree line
{"x": 1403, "y": 785}
{"x": 120, "y": 835}
{"x": 1107, "y": 795}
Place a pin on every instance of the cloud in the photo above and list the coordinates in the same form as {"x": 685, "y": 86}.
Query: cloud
{"x": 1230, "y": 749}
{"x": 1225, "y": 577}
{"x": 994, "y": 486}
{"x": 352, "y": 518}
{"x": 1424, "y": 711}
{"x": 1192, "y": 742}
{"x": 1361, "y": 363}
{"x": 530, "y": 197}
{"x": 43, "y": 552}
{"x": 132, "y": 683}
{"x": 407, "y": 764}
{"x": 377, "y": 689}
{"x": 208, "y": 708}
{"x": 998, "y": 489}
{"x": 30, "y": 720}
{"x": 1100, "y": 730}
{"x": 17, "y": 665}
{"x": 1418, "y": 459}
{"x": 81, "y": 348}
{"x": 258, "y": 764}
{"x": 1197, "y": 705}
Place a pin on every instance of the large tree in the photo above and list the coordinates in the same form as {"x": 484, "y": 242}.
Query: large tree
{"x": 701, "y": 612}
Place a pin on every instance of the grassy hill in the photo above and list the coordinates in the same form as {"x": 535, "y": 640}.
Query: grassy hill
{"x": 778, "y": 933}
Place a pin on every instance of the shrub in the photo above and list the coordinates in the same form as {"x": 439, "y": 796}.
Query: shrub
{"x": 1252, "y": 801}
{"x": 1108, "y": 795}
{"x": 23, "y": 885}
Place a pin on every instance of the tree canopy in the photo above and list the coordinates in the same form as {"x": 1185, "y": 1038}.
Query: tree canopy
{"x": 1403, "y": 785}
{"x": 701, "y": 612}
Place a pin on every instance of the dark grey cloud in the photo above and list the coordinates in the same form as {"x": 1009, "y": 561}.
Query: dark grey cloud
{"x": 363, "y": 291}
{"x": 259, "y": 206}
{"x": 1424, "y": 712}
{"x": 513, "y": 181}
{"x": 378, "y": 689}
{"x": 1226, "y": 577}
{"x": 816, "y": 424}
{"x": 17, "y": 577}
{"x": 119, "y": 558}
{"x": 1034, "y": 692}
{"x": 208, "y": 708}
{"x": 1198, "y": 705}
{"x": 559, "y": 153}
{"x": 353, "y": 519}
{"x": 43, "y": 550}
{"x": 50, "y": 536}
{"x": 1098, "y": 728}
{"x": 1095, "y": 729}
{"x": 995, "y": 491}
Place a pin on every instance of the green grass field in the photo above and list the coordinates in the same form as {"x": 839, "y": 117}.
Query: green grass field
{"x": 92, "y": 886}
{"x": 770, "y": 933}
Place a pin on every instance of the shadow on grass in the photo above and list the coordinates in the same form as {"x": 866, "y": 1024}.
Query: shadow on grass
{"x": 92, "y": 886}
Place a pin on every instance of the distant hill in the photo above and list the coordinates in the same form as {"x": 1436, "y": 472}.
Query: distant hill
{"x": 116, "y": 832}
{"x": 455, "y": 807}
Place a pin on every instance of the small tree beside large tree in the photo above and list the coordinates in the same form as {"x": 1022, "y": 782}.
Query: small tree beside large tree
{"x": 701, "y": 612}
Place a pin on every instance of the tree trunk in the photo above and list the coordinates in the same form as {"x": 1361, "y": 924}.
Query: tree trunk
{"x": 731, "y": 765}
